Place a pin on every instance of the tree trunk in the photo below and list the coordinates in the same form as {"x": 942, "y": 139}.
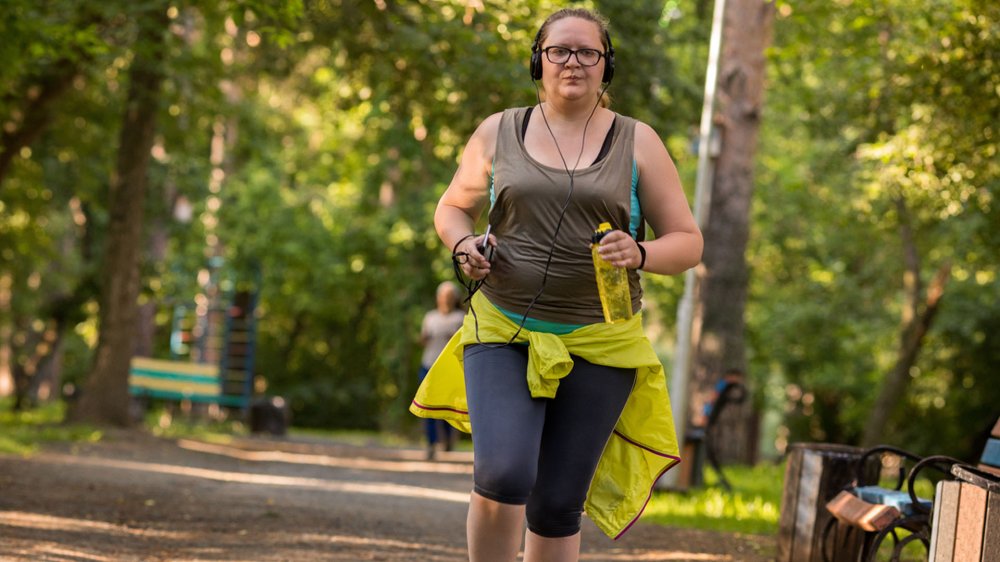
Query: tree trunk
{"x": 46, "y": 384}
{"x": 916, "y": 322}
{"x": 105, "y": 393}
{"x": 719, "y": 311}
{"x": 157, "y": 252}
{"x": 6, "y": 331}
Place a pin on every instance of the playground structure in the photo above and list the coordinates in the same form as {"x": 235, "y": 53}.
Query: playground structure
{"x": 212, "y": 347}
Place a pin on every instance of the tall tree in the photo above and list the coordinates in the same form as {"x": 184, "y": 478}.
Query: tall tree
{"x": 719, "y": 311}
{"x": 45, "y": 51}
{"x": 105, "y": 394}
{"x": 918, "y": 314}
{"x": 882, "y": 170}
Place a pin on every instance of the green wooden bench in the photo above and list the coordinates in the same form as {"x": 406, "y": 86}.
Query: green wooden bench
{"x": 178, "y": 380}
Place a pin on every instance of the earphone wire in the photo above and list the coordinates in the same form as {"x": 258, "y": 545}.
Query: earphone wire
{"x": 555, "y": 233}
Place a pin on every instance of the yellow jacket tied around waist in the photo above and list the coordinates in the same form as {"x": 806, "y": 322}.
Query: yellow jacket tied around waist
{"x": 644, "y": 443}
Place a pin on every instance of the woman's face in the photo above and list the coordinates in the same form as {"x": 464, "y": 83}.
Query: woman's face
{"x": 571, "y": 80}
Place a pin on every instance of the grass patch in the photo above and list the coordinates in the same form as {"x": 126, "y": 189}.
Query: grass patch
{"x": 23, "y": 433}
{"x": 168, "y": 423}
{"x": 753, "y": 506}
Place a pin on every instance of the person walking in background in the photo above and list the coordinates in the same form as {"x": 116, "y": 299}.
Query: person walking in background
{"x": 567, "y": 411}
{"x": 438, "y": 325}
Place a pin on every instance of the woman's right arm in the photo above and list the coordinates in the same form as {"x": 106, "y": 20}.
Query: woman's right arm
{"x": 467, "y": 196}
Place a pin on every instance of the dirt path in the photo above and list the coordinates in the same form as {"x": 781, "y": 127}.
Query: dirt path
{"x": 136, "y": 497}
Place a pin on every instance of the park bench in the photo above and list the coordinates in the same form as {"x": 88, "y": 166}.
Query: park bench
{"x": 878, "y": 512}
{"x": 179, "y": 380}
{"x": 204, "y": 383}
{"x": 966, "y": 521}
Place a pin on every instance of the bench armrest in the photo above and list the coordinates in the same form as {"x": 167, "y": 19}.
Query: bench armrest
{"x": 854, "y": 511}
{"x": 940, "y": 463}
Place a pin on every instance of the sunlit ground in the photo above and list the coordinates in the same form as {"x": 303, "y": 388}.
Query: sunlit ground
{"x": 407, "y": 461}
{"x": 52, "y": 534}
{"x": 320, "y": 542}
{"x": 56, "y": 549}
{"x": 46, "y": 534}
{"x": 260, "y": 480}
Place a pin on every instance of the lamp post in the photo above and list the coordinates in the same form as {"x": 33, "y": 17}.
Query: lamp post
{"x": 707, "y": 149}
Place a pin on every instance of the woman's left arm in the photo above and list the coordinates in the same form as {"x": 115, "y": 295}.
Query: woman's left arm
{"x": 678, "y": 243}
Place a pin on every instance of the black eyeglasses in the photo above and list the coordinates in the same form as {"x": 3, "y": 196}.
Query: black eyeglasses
{"x": 560, "y": 55}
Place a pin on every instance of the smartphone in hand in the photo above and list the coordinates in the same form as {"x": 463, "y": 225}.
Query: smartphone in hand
{"x": 485, "y": 249}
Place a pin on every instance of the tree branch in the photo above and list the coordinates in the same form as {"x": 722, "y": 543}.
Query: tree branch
{"x": 37, "y": 104}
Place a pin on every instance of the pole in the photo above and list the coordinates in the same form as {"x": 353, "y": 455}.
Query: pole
{"x": 681, "y": 371}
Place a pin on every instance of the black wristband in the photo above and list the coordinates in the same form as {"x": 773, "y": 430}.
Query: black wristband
{"x": 642, "y": 252}
{"x": 460, "y": 240}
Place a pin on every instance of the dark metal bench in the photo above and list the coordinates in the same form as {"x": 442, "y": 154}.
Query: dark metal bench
{"x": 966, "y": 521}
{"x": 877, "y": 513}
{"x": 899, "y": 506}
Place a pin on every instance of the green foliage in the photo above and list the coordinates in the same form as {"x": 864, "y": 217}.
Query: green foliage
{"x": 752, "y": 507}
{"x": 877, "y": 106}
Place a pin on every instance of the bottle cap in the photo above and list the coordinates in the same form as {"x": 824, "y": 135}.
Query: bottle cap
{"x": 602, "y": 229}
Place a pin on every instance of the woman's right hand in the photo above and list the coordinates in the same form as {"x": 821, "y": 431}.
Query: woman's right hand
{"x": 475, "y": 265}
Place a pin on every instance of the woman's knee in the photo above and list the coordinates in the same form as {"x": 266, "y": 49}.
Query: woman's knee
{"x": 553, "y": 517}
{"x": 508, "y": 484}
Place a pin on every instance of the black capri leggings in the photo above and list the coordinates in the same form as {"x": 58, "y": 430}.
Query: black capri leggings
{"x": 541, "y": 453}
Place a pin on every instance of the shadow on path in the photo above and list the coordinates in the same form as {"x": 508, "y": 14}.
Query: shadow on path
{"x": 137, "y": 497}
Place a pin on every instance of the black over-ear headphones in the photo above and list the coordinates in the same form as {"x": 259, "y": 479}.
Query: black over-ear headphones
{"x": 535, "y": 66}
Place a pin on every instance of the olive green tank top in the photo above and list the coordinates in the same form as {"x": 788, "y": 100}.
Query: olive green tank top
{"x": 527, "y": 198}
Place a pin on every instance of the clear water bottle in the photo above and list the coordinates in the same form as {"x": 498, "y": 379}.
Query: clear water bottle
{"x": 612, "y": 282}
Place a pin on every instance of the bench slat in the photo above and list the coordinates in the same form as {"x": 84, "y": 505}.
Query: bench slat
{"x": 971, "y": 517}
{"x": 991, "y": 536}
{"x": 176, "y": 367}
{"x": 196, "y": 379}
{"x": 177, "y": 380}
{"x": 173, "y": 395}
{"x": 942, "y": 547}
{"x": 174, "y": 385}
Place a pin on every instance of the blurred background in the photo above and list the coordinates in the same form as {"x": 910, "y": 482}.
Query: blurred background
{"x": 280, "y": 162}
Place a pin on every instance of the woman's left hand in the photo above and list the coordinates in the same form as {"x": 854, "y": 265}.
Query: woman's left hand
{"x": 620, "y": 249}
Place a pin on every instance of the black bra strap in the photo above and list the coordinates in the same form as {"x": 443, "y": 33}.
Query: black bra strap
{"x": 524, "y": 124}
{"x": 605, "y": 148}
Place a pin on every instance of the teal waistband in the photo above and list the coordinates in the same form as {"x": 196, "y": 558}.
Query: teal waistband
{"x": 545, "y": 326}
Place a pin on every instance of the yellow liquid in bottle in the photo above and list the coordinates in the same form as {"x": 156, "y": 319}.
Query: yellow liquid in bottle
{"x": 612, "y": 283}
